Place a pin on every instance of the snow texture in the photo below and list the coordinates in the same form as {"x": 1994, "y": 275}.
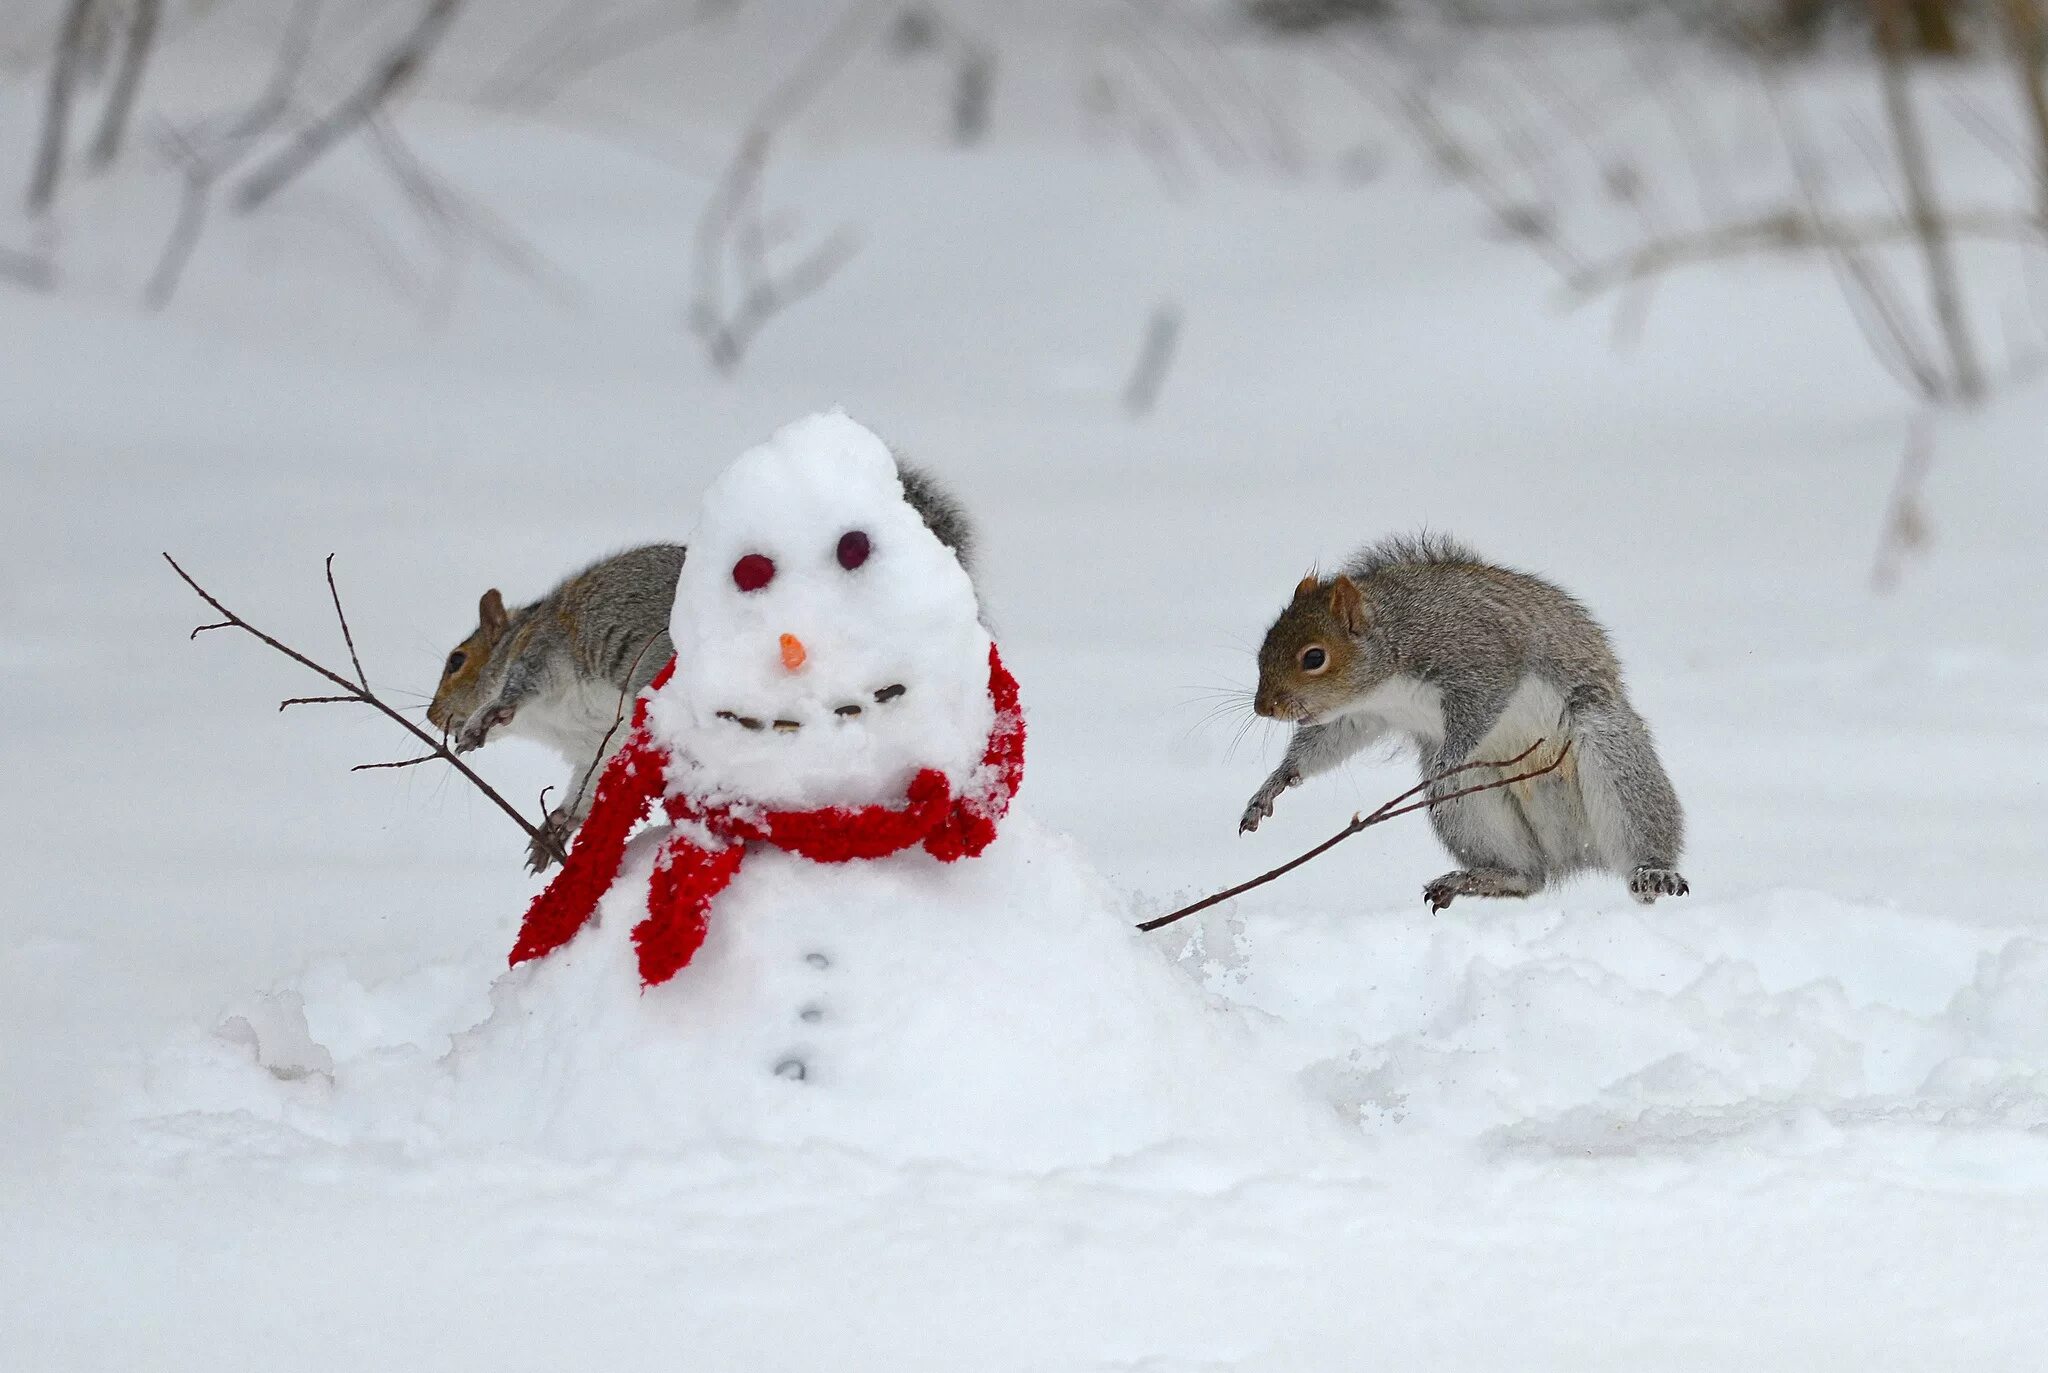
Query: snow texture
{"x": 824, "y": 1009}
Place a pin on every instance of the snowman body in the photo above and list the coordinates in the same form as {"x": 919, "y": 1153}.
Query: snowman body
{"x": 997, "y": 1012}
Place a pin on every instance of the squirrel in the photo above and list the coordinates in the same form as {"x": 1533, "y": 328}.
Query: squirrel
{"x": 565, "y": 669}
{"x": 1418, "y": 638}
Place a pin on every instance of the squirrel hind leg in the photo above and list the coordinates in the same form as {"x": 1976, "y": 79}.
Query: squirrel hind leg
{"x": 1632, "y": 810}
{"x": 1478, "y": 882}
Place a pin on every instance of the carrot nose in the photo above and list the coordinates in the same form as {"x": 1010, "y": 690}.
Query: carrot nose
{"x": 793, "y": 654}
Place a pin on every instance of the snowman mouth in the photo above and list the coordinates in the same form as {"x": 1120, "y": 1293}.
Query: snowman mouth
{"x": 851, "y": 710}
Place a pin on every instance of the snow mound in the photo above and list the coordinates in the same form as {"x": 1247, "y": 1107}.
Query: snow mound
{"x": 1782, "y": 1024}
{"x": 998, "y": 1013}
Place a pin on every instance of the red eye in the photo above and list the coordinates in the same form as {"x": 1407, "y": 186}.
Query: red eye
{"x": 853, "y": 549}
{"x": 753, "y": 572}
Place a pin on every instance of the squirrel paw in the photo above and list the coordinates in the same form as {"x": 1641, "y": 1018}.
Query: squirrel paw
{"x": 1474, "y": 882}
{"x": 478, "y": 729}
{"x": 1261, "y": 805}
{"x": 552, "y": 839}
{"x": 1646, "y": 883}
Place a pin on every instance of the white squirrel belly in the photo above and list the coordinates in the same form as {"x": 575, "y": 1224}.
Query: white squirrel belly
{"x": 572, "y": 721}
{"x": 1407, "y": 706}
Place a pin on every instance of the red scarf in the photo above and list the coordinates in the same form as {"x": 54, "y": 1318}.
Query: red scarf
{"x": 688, "y": 874}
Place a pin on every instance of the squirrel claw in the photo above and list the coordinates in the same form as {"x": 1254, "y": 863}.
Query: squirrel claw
{"x": 552, "y": 839}
{"x": 478, "y": 731}
{"x": 1648, "y": 883}
{"x": 1475, "y": 882}
{"x": 1261, "y": 806}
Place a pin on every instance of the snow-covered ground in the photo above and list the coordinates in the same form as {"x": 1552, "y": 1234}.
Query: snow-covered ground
{"x": 1794, "y": 1120}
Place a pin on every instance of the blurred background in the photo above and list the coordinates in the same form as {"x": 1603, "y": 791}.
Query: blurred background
{"x": 1729, "y": 316}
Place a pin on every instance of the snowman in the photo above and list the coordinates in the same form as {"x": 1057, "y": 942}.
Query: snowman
{"x": 833, "y": 695}
{"x": 804, "y": 909}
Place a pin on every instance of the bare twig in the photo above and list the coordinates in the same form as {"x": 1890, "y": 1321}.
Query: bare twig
{"x": 359, "y": 693}
{"x": 347, "y": 637}
{"x": 400, "y": 763}
{"x": 206, "y": 162}
{"x": 1407, "y": 803}
{"x": 731, "y": 232}
{"x": 2026, "y": 36}
{"x": 1155, "y": 359}
{"x": 1785, "y": 231}
{"x": 618, "y": 716}
{"x": 64, "y": 65}
{"x": 1943, "y": 285}
{"x": 581, "y": 39}
{"x": 974, "y": 89}
{"x": 1906, "y": 529}
{"x": 1406, "y": 96}
{"x": 459, "y": 220}
{"x": 1886, "y": 325}
{"x": 398, "y": 69}
{"x": 138, "y": 47}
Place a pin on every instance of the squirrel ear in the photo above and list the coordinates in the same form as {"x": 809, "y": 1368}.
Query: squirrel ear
{"x": 1306, "y": 587}
{"x": 490, "y": 613}
{"x": 1348, "y": 605}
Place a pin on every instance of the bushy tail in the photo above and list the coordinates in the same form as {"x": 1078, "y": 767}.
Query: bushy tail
{"x": 1634, "y": 811}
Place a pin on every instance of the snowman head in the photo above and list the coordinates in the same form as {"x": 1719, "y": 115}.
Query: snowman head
{"x": 828, "y": 645}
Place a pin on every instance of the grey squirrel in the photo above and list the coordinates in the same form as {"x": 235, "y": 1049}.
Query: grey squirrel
{"x": 1418, "y": 638}
{"x": 560, "y": 670}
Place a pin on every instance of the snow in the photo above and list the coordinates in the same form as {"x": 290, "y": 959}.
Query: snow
{"x": 1793, "y": 1120}
{"x": 818, "y": 1014}
{"x": 904, "y": 618}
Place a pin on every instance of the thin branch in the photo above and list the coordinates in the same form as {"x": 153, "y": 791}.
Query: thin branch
{"x": 138, "y": 48}
{"x": 204, "y": 166}
{"x": 398, "y": 70}
{"x": 348, "y": 638}
{"x": 1788, "y": 231}
{"x": 1155, "y": 359}
{"x": 300, "y": 700}
{"x": 2026, "y": 36}
{"x": 401, "y": 763}
{"x": 1917, "y": 170}
{"x": 64, "y": 65}
{"x": 618, "y": 717}
{"x": 1873, "y": 303}
{"x": 730, "y": 231}
{"x": 1404, "y": 804}
{"x": 1906, "y": 528}
{"x": 459, "y": 219}
{"x": 581, "y": 39}
{"x": 361, "y": 694}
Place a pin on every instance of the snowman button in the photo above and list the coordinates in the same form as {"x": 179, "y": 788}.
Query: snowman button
{"x": 817, "y": 960}
{"x": 791, "y": 1068}
{"x": 811, "y": 1015}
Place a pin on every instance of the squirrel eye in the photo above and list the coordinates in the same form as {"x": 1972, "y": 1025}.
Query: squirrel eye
{"x": 853, "y": 549}
{"x": 753, "y": 572}
{"x": 1314, "y": 659}
{"x": 455, "y": 662}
